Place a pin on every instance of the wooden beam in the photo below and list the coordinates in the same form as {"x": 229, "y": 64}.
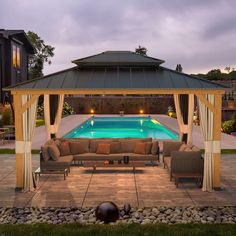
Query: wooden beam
{"x": 206, "y": 102}
{"x": 17, "y": 99}
{"x": 217, "y": 137}
{"x": 29, "y": 103}
{"x": 117, "y": 91}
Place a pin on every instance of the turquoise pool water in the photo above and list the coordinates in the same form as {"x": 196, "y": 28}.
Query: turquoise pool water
{"x": 121, "y": 127}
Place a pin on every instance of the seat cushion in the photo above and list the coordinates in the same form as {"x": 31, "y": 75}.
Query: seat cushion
{"x": 116, "y": 156}
{"x": 79, "y": 147}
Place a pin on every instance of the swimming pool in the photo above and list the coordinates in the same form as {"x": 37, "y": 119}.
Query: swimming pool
{"x": 122, "y": 127}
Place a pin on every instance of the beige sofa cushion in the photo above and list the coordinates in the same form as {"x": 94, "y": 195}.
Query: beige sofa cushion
{"x": 79, "y": 147}
{"x": 169, "y": 146}
{"x": 54, "y": 152}
{"x": 115, "y": 147}
{"x": 127, "y": 145}
{"x": 64, "y": 148}
{"x": 103, "y": 148}
{"x": 140, "y": 148}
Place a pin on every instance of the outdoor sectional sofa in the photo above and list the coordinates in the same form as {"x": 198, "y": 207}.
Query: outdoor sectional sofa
{"x": 57, "y": 154}
{"x": 182, "y": 160}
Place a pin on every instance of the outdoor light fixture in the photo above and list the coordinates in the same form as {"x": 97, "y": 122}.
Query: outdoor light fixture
{"x": 91, "y": 111}
{"x": 141, "y": 111}
{"x": 170, "y": 113}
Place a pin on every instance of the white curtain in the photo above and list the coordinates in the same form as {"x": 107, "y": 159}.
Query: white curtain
{"x": 24, "y": 146}
{"x": 185, "y": 128}
{"x": 54, "y": 128}
{"x": 211, "y": 146}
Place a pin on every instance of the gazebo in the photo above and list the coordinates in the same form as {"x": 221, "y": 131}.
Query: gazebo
{"x": 119, "y": 72}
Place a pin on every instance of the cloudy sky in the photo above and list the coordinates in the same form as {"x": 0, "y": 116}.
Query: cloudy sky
{"x": 199, "y": 34}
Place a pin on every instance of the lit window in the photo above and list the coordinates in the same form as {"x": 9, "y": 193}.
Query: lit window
{"x": 14, "y": 56}
{"x": 18, "y": 57}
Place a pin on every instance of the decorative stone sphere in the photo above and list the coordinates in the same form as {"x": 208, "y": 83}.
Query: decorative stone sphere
{"x": 107, "y": 212}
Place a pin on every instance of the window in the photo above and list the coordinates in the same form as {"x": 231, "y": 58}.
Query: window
{"x": 16, "y": 56}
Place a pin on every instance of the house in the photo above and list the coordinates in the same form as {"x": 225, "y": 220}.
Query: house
{"x": 15, "y": 49}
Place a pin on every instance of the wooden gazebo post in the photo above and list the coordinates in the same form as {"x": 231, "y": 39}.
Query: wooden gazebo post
{"x": 17, "y": 100}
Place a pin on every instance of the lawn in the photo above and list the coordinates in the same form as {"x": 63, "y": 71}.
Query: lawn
{"x": 120, "y": 230}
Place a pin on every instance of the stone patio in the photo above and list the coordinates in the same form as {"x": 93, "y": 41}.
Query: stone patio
{"x": 147, "y": 187}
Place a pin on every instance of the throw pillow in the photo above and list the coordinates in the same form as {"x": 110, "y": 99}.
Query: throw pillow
{"x": 148, "y": 147}
{"x": 103, "y": 148}
{"x": 195, "y": 149}
{"x": 155, "y": 146}
{"x": 79, "y": 147}
{"x": 140, "y": 148}
{"x": 45, "y": 153}
{"x": 54, "y": 152}
{"x": 185, "y": 146}
{"x": 64, "y": 148}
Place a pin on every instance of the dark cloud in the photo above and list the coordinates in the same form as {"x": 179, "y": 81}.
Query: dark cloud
{"x": 198, "y": 34}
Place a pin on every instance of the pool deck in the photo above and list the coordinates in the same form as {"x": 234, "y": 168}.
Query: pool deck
{"x": 147, "y": 187}
{"x": 70, "y": 122}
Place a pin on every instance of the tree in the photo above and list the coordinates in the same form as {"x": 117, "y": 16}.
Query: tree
{"x": 214, "y": 74}
{"x": 179, "y": 68}
{"x": 43, "y": 54}
{"x": 141, "y": 50}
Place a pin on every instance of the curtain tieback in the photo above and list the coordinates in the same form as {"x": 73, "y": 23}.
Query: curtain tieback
{"x": 212, "y": 147}
{"x": 53, "y": 129}
{"x": 184, "y": 129}
{"x": 23, "y": 146}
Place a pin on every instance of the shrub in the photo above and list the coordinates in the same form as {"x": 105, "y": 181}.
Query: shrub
{"x": 228, "y": 126}
{"x": 7, "y": 117}
{"x": 67, "y": 110}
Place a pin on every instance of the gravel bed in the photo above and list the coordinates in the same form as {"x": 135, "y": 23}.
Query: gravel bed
{"x": 169, "y": 215}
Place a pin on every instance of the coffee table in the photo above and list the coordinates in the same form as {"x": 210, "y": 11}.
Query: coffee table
{"x": 96, "y": 164}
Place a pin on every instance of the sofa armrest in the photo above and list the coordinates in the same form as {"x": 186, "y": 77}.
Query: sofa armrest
{"x": 182, "y": 161}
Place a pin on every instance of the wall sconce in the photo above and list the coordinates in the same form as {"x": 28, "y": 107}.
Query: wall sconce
{"x": 141, "y": 111}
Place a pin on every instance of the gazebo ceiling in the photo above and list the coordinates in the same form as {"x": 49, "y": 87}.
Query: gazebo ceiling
{"x": 126, "y": 72}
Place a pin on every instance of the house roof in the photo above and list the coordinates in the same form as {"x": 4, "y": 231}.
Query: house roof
{"x": 19, "y": 35}
{"x": 117, "y": 77}
{"x": 117, "y": 58}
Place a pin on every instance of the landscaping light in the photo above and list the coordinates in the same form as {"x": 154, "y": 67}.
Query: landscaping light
{"x": 170, "y": 114}
{"x": 91, "y": 111}
{"x": 141, "y": 111}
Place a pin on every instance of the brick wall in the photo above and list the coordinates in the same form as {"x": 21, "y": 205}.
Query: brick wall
{"x": 112, "y": 105}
